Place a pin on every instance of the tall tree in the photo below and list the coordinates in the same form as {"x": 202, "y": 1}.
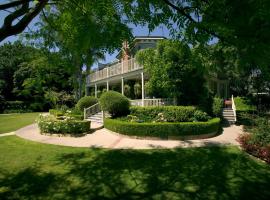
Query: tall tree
{"x": 173, "y": 72}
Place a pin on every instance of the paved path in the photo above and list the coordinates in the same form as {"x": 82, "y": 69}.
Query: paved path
{"x": 104, "y": 138}
{"x": 7, "y": 134}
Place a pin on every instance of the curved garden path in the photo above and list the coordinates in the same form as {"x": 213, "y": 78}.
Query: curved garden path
{"x": 104, "y": 138}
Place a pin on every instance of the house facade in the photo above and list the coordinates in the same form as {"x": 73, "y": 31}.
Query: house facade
{"x": 125, "y": 69}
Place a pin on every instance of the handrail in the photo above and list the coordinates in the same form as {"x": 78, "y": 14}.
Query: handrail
{"x": 234, "y": 109}
{"x": 91, "y": 110}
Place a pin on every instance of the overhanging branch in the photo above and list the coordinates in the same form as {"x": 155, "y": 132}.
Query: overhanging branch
{"x": 28, "y": 15}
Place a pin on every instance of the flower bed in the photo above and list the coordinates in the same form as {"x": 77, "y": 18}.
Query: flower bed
{"x": 66, "y": 125}
{"x": 165, "y": 130}
{"x": 169, "y": 113}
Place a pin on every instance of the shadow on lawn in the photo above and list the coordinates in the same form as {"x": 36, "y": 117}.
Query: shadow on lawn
{"x": 200, "y": 173}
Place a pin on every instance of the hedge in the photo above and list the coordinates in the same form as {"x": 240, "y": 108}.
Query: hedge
{"x": 48, "y": 124}
{"x": 164, "y": 129}
{"x": 56, "y": 112}
{"x": 171, "y": 113}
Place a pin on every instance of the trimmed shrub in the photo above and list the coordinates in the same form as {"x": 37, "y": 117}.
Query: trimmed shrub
{"x": 201, "y": 116}
{"x": 49, "y": 124}
{"x": 114, "y": 103}
{"x": 217, "y": 107}
{"x": 163, "y": 129}
{"x": 170, "y": 113}
{"x": 86, "y": 102}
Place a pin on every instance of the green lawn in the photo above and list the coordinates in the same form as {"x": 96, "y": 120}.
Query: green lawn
{"x": 12, "y": 122}
{"x": 31, "y": 170}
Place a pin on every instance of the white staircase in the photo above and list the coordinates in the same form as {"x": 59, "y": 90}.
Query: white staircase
{"x": 97, "y": 118}
{"x": 228, "y": 115}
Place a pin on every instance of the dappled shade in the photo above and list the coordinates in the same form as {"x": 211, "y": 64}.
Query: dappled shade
{"x": 72, "y": 173}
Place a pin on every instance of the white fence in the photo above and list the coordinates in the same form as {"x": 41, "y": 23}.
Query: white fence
{"x": 116, "y": 69}
{"x": 152, "y": 102}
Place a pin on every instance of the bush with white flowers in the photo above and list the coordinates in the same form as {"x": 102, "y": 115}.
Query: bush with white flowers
{"x": 65, "y": 125}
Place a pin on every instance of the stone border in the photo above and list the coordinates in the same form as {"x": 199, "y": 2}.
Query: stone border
{"x": 186, "y": 137}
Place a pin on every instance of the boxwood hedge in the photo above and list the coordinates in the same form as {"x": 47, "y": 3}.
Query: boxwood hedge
{"x": 164, "y": 129}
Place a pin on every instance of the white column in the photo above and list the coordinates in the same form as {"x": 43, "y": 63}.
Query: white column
{"x": 122, "y": 85}
{"x": 108, "y": 86}
{"x": 122, "y": 66}
{"x": 107, "y": 72}
{"x": 142, "y": 75}
{"x": 95, "y": 90}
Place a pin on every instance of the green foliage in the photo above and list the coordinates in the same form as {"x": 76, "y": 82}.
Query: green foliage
{"x": 48, "y": 124}
{"x": 170, "y": 113}
{"x": 2, "y": 104}
{"x": 114, "y": 103}
{"x": 163, "y": 129}
{"x": 17, "y": 107}
{"x": 56, "y": 112}
{"x": 173, "y": 72}
{"x": 127, "y": 90}
{"x": 137, "y": 90}
{"x": 217, "y": 107}
{"x": 201, "y": 116}
{"x": 86, "y": 102}
{"x": 72, "y": 113}
{"x": 243, "y": 104}
{"x": 261, "y": 134}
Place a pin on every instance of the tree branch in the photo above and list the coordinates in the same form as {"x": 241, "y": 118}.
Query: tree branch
{"x": 13, "y": 4}
{"x": 182, "y": 10}
{"x": 28, "y": 15}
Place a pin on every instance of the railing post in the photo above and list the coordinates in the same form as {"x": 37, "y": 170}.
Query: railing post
{"x": 142, "y": 76}
{"x": 122, "y": 85}
{"x": 84, "y": 113}
{"x": 103, "y": 116}
{"x": 95, "y": 90}
{"x": 233, "y": 108}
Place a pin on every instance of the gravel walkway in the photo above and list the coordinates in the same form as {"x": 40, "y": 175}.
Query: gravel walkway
{"x": 104, "y": 138}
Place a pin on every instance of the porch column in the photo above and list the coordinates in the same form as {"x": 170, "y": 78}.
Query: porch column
{"x": 95, "y": 90}
{"x": 142, "y": 75}
{"x": 122, "y": 85}
{"x": 108, "y": 86}
{"x": 122, "y": 66}
{"x": 87, "y": 91}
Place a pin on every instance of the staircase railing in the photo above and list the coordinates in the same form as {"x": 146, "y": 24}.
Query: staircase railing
{"x": 91, "y": 110}
{"x": 234, "y": 109}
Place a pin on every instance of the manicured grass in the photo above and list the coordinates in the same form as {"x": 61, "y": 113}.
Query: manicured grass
{"x": 30, "y": 170}
{"x": 12, "y": 122}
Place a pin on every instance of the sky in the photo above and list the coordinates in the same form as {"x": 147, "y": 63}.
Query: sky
{"x": 136, "y": 30}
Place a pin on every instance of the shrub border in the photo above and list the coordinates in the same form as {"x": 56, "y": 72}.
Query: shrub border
{"x": 165, "y": 130}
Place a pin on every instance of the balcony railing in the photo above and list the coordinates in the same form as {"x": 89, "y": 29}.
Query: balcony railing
{"x": 116, "y": 69}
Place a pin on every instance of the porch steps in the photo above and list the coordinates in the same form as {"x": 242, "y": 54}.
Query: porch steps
{"x": 96, "y": 118}
{"x": 228, "y": 115}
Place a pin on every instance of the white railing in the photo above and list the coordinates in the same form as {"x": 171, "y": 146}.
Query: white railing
{"x": 152, "y": 102}
{"x": 116, "y": 69}
{"x": 91, "y": 110}
{"x": 234, "y": 109}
